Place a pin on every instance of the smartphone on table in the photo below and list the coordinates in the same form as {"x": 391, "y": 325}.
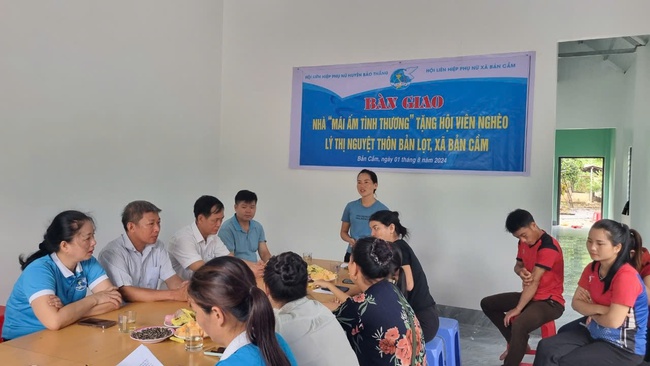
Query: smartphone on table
{"x": 348, "y": 281}
{"x": 98, "y": 323}
{"x": 214, "y": 351}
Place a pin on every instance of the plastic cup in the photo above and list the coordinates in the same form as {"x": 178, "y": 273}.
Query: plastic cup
{"x": 335, "y": 267}
{"x": 306, "y": 256}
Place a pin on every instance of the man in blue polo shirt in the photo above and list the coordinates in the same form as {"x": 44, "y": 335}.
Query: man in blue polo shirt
{"x": 245, "y": 236}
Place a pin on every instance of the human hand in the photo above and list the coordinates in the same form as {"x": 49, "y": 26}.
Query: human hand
{"x": 588, "y": 321}
{"x": 258, "y": 268}
{"x": 583, "y": 295}
{"x": 510, "y": 315}
{"x": 109, "y": 296}
{"x": 323, "y": 284}
{"x": 54, "y": 301}
{"x": 180, "y": 293}
{"x": 526, "y": 277}
{"x": 352, "y": 242}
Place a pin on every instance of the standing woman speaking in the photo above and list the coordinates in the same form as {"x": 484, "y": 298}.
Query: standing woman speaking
{"x": 354, "y": 222}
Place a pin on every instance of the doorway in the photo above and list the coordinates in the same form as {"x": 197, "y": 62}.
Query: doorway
{"x": 583, "y": 176}
{"x": 580, "y": 191}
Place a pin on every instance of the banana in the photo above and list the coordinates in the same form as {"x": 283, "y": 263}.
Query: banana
{"x": 183, "y": 316}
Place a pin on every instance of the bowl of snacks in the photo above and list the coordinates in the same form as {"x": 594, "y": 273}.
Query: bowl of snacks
{"x": 151, "y": 334}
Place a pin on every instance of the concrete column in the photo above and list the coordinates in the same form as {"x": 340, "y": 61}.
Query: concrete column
{"x": 640, "y": 186}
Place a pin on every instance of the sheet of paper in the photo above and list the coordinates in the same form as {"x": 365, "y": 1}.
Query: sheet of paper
{"x": 323, "y": 291}
{"x": 140, "y": 356}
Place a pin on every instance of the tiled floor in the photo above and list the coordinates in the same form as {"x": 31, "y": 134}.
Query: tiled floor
{"x": 482, "y": 344}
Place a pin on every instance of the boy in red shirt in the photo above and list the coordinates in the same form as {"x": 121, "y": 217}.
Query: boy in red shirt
{"x": 540, "y": 266}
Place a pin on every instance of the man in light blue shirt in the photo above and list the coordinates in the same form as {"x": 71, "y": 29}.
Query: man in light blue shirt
{"x": 244, "y": 236}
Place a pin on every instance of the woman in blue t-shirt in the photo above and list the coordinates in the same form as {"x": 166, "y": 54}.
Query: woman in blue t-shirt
{"x": 612, "y": 295}
{"x": 354, "y": 222}
{"x": 51, "y": 291}
{"x": 234, "y": 312}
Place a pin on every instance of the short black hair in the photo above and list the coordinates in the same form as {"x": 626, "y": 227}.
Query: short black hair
{"x": 285, "y": 276}
{"x": 245, "y": 196}
{"x": 206, "y": 206}
{"x": 134, "y": 211}
{"x": 518, "y": 219}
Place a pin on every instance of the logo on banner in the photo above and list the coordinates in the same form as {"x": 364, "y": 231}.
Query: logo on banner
{"x": 401, "y": 78}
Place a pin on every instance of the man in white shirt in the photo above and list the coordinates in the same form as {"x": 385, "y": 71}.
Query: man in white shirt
{"x": 137, "y": 261}
{"x": 198, "y": 242}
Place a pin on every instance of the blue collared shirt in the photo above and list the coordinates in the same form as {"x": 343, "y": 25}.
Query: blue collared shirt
{"x": 47, "y": 276}
{"x": 243, "y": 244}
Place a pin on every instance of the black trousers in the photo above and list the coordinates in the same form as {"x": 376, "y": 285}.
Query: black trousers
{"x": 574, "y": 325}
{"x": 429, "y": 321}
{"x": 534, "y": 315}
{"x": 577, "y": 348}
{"x": 346, "y": 258}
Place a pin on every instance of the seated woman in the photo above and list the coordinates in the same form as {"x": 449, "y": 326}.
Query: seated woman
{"x": 51, "y": 291}
{"x": 380, "y": 324}
{"x": 612, "y": 295}
{"x": 385, "y": 225}
{"x": 310, "y": 329}
{"x": 234, "y": 312}
{"x": 640, "y": 262}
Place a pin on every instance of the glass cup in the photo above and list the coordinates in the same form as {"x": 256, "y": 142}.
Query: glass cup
{"x": 335, "y": 267}
{"x": 126, "y": 321}
{"x": 306, "y": 256}
{"x": 193, "y": 340}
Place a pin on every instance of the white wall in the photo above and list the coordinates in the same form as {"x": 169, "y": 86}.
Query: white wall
{"x": 591, "y": 93}
{"x": 102, "y": 103}
{"x": 457, "y": 220}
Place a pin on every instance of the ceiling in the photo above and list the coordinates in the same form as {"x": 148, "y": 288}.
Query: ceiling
{"x": 618, "y": 51}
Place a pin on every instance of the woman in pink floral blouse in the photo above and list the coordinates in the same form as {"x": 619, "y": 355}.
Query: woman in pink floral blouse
{"x": 379, "y": 323}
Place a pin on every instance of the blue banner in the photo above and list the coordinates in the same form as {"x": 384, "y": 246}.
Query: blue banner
{"x": 466, "y": 114}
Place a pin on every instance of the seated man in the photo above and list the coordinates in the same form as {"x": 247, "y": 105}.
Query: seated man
{"x": 137, "y": 260}
{"x": 311, "y": 329}
{"x": 245, "y": 236}
{"x": 540, "y": 266}
{"x": 198, "y": 242}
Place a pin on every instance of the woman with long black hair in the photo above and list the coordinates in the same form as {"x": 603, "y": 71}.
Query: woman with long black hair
{"x": 612, "y": 295}
{"x": 233, "y": 311}
{"x": 51, "y": 291}
{"x": 386, "y": 225}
